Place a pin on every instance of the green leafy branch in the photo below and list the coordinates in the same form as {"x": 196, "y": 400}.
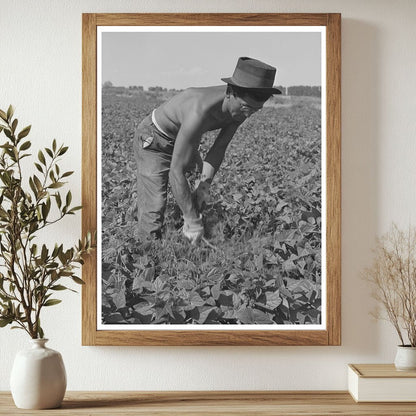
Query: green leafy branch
{"x": 29, "y": 275}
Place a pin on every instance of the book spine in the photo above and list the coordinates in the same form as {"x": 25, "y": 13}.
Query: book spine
{"x": 353, "y": 381}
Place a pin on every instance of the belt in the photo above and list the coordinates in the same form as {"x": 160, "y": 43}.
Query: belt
{"x": 158, "y": 127}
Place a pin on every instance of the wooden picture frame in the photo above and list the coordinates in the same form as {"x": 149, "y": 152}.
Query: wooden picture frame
{"x": 330, "y": 334}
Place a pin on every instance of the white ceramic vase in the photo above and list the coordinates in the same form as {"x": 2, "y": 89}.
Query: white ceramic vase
{"x": 405, "y": 358}
{"x": 38, "y": 378}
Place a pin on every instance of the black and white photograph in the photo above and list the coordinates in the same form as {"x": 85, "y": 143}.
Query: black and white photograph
{"x": 211, "y": 158}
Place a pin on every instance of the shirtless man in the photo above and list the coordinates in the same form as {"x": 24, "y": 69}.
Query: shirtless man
{"x": 166, "y": 143}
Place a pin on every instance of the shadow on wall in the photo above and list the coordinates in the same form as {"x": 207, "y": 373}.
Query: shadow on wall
{"x": 361, "y": 96}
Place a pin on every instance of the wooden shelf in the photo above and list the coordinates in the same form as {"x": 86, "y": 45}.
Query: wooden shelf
{"x": 221, "y": 403}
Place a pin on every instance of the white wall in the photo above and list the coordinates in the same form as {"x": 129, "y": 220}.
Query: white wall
{"x": 40, "y": 73}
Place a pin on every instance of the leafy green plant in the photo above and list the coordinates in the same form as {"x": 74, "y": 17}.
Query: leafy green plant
{"x": 264, "y": 262}
{"x": 30, "y": 273}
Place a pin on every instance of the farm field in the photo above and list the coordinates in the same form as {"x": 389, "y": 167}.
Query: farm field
{"x": 261, "y": 261}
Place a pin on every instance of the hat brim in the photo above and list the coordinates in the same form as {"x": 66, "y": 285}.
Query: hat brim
{"x": 270, "y": 90}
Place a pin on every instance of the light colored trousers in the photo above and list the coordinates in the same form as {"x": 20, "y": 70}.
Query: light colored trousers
{"x": 153, "y": 153}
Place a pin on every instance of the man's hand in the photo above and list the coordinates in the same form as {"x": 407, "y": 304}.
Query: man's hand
{"x": 201, "y": 195}
{"x": 193, "y": 229}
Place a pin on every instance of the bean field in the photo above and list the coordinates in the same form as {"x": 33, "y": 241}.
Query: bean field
{"x": 260, "y": 261}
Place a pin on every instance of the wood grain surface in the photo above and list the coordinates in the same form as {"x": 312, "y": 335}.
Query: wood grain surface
{"x": 329, "y": 336}
{"x": 89, "y": 173}
{"x": 333, "y": 174}
{"x": 381, "y": 371}
{"x": 211, "y": 19}
{"x": 270, "y": 403}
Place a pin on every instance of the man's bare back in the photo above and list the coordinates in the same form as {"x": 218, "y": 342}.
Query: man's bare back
{"x": 203, "y": 104}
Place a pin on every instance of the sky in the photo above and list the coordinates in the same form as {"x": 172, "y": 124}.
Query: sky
{"x": 196, "y": 59}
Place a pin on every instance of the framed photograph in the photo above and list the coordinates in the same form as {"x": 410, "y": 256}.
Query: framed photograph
{"x": 211, "y": 172}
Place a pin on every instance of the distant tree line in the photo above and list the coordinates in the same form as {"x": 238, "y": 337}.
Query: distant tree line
{"x": 298, "y": 90}
{"x": 136, "y": 88}
{"x": 304, "y": 90}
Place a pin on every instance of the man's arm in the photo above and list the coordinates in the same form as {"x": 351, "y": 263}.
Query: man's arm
{"x": 186, "y": 145}
{"x": 216, "y": 154}
{"x": 211, "y": 165}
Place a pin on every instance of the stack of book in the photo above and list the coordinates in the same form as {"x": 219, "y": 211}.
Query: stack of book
{"x": 381, "y": 383}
